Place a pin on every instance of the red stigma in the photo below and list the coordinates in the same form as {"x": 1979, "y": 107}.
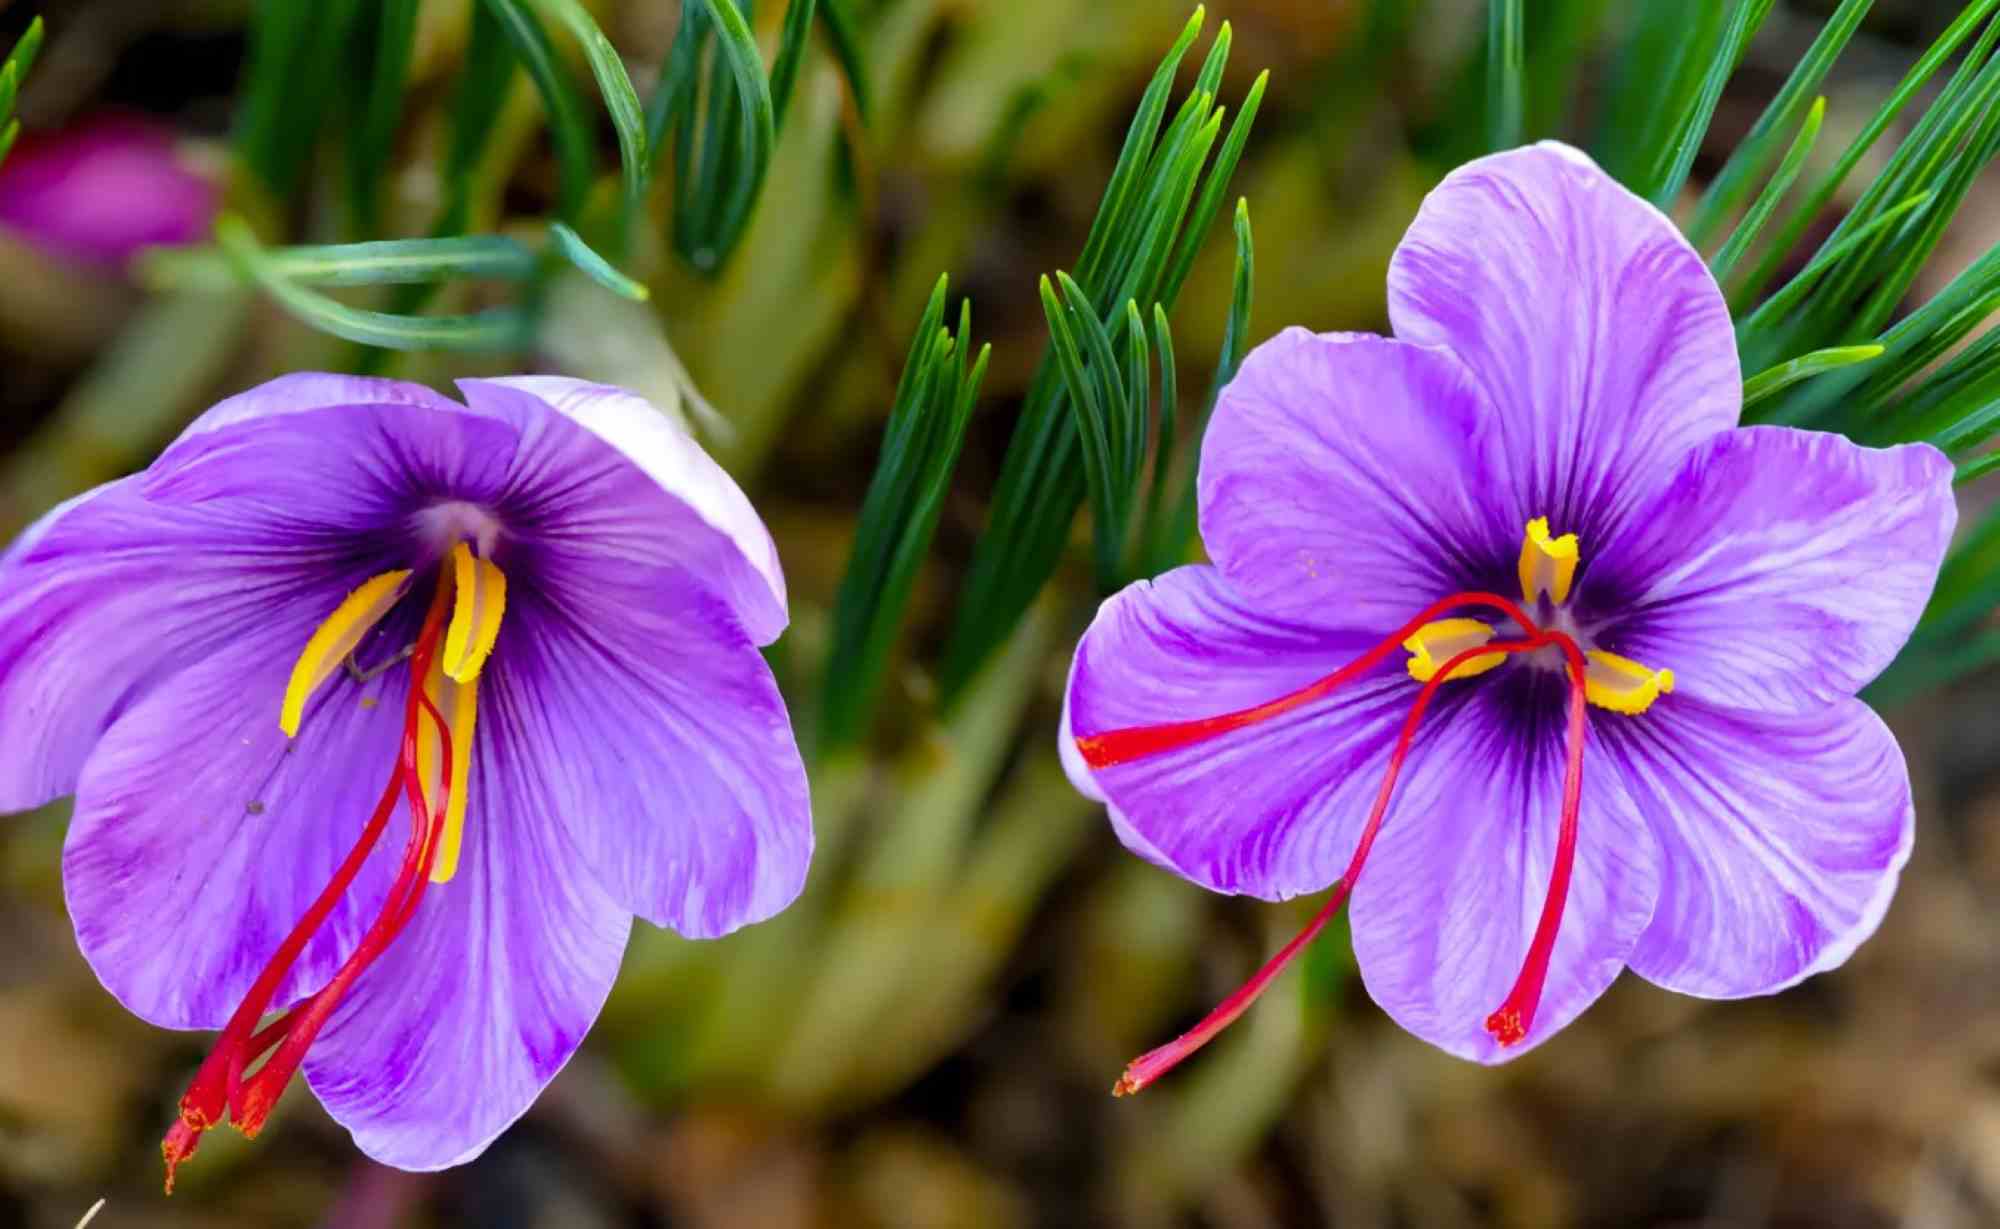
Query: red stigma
{"x": 220, "y": 1087}
{"x": 1511, "y": 1022}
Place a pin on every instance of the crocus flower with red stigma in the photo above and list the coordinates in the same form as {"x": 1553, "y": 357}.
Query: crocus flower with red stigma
{"x": 1515, "y": 639}
{"x": 103, "y": 189}
{"x": 515, "y": 638}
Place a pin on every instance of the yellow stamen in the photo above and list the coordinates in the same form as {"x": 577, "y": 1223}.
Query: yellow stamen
{"x": 459, "y": 704}
{"x": 475, "y": 617}
{"x": 335, "y": 639}
{"x": 1548, "y": 564}
{"x": 1440, "y": 640}
{"x": 1621, "y": 684}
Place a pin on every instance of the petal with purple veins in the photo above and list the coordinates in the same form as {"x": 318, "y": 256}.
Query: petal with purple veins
{"x": 453, "y": 1032}
{"x": 1782, "y": 838}
{"x": 201, "y": 834}
{"x": 602, "y": 462}
{"x": 1447, "y": 905}
{"x": 1779, "y": 570}
{"x": 660, "y": 738}
{"x": 1272, "y": 809}
{"x": 1346, "y": 481}
{"x": 1594, "y": 329}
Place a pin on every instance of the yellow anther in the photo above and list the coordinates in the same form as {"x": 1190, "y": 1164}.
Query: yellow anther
{"x": 330, "y": 644}
{"x": 1548, "y": 564}
{"x": 1440, "y": 640}
{"x": 1621, "y": 684}
{"x": 480, "y": 601}
{"x": 459, "y": 703}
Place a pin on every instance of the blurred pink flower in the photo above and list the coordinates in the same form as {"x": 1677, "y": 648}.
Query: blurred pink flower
{"x": 102, "y": 189}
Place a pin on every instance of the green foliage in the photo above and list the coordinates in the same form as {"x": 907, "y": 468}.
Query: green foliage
{"x": 1148, "y": 228}
{"x": 16, "y": 67}
{"x": 899, "y": 515}
{"x": 1504, "y": 89}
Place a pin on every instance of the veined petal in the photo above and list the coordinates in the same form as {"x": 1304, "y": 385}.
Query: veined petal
{"x": 1445, "y": 909}
{"x": 604, "y": 464}
{"x": 1783, "y": 835}
{"x": 201, "y": 833}
{"x": 1591, "y": 326}
{"x": 1781, "y": 570}
{"x": 1272, "y": 809}
{"x": 1346, "y": 480}
{"x": 449, "y": 1037}
{"x": 648, "y": 712}
{"x": 267, "y": 501}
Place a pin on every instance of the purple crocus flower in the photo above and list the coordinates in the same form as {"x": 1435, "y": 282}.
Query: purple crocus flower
{"x": 1637, "y": 629}
{"x": 534, "y": 615}
{"x": 104, "y": 189}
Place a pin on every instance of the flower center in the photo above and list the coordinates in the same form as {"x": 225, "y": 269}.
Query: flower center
{"x": 1444, "y": 646}
{"x": 431, "y": 774}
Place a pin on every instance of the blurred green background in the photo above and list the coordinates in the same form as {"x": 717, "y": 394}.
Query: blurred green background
{"x": 930, "y": 1036}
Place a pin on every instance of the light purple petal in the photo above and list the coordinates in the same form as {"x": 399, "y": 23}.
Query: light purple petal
{"x": 118, "y": 591}
{"x": 201, "y": 834}
{"x": 1782, "y": 836}
{"x": 103, "y": 190}
{"x": 686, "y": 511}
{"x": 1594, "y": 330}
{"x": 661, "y": 740}
{"x": 1779, "y": 570}
{"x": 1347, "y": 481}
{"x": 449, "y": 1037}
{"x": 1445, "y": 909}
{"x": 1271, "y": 810}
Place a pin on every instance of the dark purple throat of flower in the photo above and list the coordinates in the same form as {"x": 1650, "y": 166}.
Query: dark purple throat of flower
{"x": 430, "y": 772}
{"x": 1444, "y": 645}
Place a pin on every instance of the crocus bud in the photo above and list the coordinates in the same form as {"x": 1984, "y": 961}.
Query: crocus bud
{"x": 101, "y": 189}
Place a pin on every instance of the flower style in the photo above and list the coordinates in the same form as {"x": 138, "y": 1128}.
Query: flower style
{"x": 535, "y": 615}
{"x": 1625, "y": 733}
{"x": 104, "y": 189}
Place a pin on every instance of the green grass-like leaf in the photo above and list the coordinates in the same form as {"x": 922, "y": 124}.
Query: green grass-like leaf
{"x": 1774, "y": 191}
{"x": 595, "y": 267}
{"x": 1766, "y": 383}
{"x": 899, "y": 515}
{"x": 1676, "y": 158}
{"x": 1733, "y": 182}
{"x": 374, "y": 136}
{"x": 1505, "y": 92}
{"x": 568, "y": 130}
{"x": 15, "y": 70}
{"x": 628, "y": 118}
{"x": 499, "y": 329}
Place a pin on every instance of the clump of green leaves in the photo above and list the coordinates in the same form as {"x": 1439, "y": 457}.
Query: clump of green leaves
{"x": 1155, "y": 214}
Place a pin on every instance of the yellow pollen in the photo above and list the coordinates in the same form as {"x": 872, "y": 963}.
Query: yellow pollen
{"x": 1440, "y": 640}
{"x": 1621, "y": 684}
{"x": 480, "y": 602}
{"x": 334, "y": 639}
{"x": 1548, "y": 564}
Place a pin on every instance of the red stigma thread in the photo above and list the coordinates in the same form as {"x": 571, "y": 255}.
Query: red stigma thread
{"x": 1510, "y": 1024}
{"x": 1121, "y": 746}
{"x": 220, "y": 1083}
{"x": 1153, "y": 1064}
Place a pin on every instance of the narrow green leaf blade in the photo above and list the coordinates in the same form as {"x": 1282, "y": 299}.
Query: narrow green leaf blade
{"x": 594, "y": 266}
{"x": 1504, "y": 72}
{"x": 1804, "y": 367}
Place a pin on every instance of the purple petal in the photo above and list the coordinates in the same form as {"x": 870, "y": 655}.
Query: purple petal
{"x": 257, "y": 507}
{"x": 1780, "y": 570}
{"x": 661, "y": 739}
{"x": 1782, "y": 833}
{"x": 639, "y": 486}
{"x": 1444, "y": 911}
{"x": 103, "y": 190}
{"x": 1593, "y": 329}
{"x": 201, "y": 834}
{"x": 452, "y": 1033}
{"x": 1346, "y": 480}
{"x": 1272, "y": 809}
